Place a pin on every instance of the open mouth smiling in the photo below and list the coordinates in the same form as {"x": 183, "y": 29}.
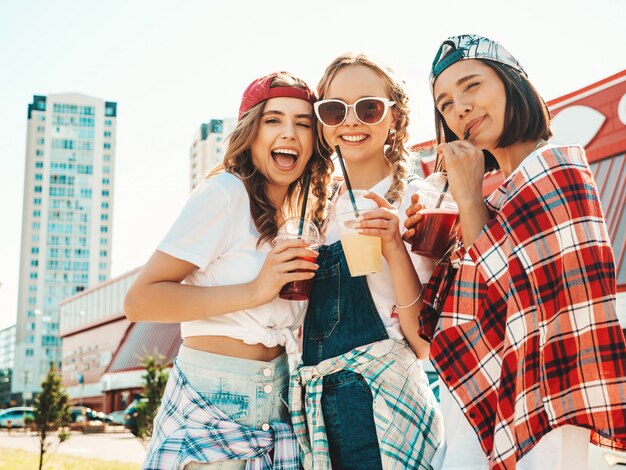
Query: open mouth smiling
{"x": 285, "y": 158}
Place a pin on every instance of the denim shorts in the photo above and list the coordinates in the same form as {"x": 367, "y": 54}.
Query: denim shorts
{"x": 252, "y": 393}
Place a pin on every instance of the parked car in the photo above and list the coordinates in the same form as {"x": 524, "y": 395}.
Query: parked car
{"x": 16, "y": 416}
{"x": 130, "y": 416}
{"x": 117, "y": 417}
{"x": 82, "y": 414}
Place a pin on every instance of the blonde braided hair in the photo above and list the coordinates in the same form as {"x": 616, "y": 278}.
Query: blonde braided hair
{"x": 396, "y": 152}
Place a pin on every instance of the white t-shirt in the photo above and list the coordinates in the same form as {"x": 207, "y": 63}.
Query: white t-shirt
{"x": 215, "y": 231}
{"x": 563, "y": 448}
{"x": 380, "y": 284}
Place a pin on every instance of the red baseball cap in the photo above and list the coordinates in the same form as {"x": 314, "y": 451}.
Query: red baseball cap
{"x": 260, "y": 90}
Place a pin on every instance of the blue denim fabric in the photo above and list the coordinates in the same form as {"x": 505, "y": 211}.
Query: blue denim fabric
{"x": 250, "y": 392}
{"x": 341, "y": 316}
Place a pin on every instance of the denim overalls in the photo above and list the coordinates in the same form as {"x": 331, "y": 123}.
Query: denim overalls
{"x": 341, "y": 316}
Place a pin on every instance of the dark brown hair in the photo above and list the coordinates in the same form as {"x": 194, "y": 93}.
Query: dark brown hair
{"x": 238, "y": 161}
{"x": 396, "y": 153}
{"x": 526, "y": 117}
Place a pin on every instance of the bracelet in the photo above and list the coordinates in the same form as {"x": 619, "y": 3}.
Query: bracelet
{"x": 412, "y": 303}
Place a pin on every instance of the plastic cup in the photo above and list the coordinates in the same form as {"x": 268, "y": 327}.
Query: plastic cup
{"x": 439, "y": 225}
{"x": 289, "y": 230}
{"x": 363, "y": 252}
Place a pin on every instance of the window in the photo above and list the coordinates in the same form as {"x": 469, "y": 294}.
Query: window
{"x": 105, "y": 192}
{"x": 36, "y": 213}
{"x": 38, "y": 177}
{"x": 103, "y": 265}
{"x": 39, "y": 153}
{"x": 103, "y": 252}
{"x": 106, "y": 170}
{"x": 38, "y": 164}
{"x": 106, "y": 157}
{"x": 105, "y": 205}
{"x": 107, "y": 133}
{"x": 37, "y": 201}
{"x": 40, "y": 141}
{"x": 105, "y": 181}
{"x": 104, "y": 229}
{"x": 36, "y": 225}
{"x": 33, "y": 275}
{"x": 34, "y": 263}
{"x": 102, "y": 278}
{"x": 107, "y": 122}
{"x": 34, "y": 250}
{"x": 37, "y": 189}
{"x": 29, "y": 352}
{"x": 103, "y": 241}
{"x": 107, "y": 145}
{"x": 104, "y": 216}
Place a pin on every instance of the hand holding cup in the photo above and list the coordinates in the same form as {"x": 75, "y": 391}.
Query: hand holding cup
{"x": 382, "y": 222}
{"x": 288, "y": 261}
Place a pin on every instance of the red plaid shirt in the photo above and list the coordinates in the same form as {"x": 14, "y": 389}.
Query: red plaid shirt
{"x": 527, "y": 338}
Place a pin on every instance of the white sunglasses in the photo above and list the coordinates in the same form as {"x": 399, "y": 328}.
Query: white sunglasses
{"x": 369, "y": 110}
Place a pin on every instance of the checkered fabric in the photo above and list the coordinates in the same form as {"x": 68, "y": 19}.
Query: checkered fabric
{"x": 408, "y": 422}
{"x": 189, "y": 428}
{"x": 528, "y": 337}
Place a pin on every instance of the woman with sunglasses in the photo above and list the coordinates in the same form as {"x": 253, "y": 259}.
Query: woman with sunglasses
{"x": 526, "y": 341}
{"x": 217, "y": 273}
{"x": 368, "y": 401}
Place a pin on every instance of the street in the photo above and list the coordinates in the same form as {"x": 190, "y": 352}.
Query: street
{"x": 122, "y": 446}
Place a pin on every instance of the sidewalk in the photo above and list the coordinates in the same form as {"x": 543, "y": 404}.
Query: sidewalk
{"x": 122, "y": 446}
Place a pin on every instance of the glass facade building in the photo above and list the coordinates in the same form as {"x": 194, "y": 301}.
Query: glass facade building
{"x": 66, "y": 221}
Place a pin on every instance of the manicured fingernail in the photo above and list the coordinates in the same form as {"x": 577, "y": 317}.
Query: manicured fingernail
{"x": 356, "y": 225}
{"x": 359, "y": 218}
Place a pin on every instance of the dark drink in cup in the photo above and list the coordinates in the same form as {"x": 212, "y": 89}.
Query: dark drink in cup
{"x": 294, "y": 229}
{"x": 298, "y": 290}
{"x": 435, "y": 232}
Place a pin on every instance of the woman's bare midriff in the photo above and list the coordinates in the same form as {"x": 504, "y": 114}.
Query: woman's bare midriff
{"x": 227, "y": 346}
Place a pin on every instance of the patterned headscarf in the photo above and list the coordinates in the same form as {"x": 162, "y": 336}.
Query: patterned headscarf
{"x": 470, "y": 46}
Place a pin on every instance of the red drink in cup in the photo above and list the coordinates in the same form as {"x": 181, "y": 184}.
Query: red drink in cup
{"x": 293, "y": 229}
{"x": 298, "y": 290}
{"x": 434, "y": 233}
{"x": 440, "y": 219}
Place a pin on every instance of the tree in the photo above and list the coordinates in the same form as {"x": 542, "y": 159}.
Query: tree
{"x": 52, "y": 411}
{"x": 154, "y": 381}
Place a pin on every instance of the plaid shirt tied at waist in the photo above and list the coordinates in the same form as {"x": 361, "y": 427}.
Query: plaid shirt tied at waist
{"x": 408, "y": 422}
{"x": 189, "y": 428}
{"x": 527, "y": 338}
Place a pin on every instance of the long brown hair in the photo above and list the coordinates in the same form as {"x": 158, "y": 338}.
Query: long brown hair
{"x": 238, "y": 161}
{"x": 396, "y": 152}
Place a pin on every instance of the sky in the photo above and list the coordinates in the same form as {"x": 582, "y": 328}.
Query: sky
{"x": 171, "y": 66}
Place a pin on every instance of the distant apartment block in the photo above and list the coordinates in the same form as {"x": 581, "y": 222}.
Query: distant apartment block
{"x": 207, "y": 150}
{"x": 66, "y": 222}
{"x": 7, "y": 362}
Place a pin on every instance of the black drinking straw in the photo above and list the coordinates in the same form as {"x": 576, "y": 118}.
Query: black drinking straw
{"x": 345, "y": 177}
{"x": 307, "y": 183}
{"x": 445, "y": 186}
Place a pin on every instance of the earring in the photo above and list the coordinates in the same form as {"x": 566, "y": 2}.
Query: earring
{"x": 391, "y": 137}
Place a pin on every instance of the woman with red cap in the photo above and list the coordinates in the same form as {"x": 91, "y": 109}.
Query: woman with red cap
{"x": 217, "y": 273}
{"x": 524, "y": 329}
